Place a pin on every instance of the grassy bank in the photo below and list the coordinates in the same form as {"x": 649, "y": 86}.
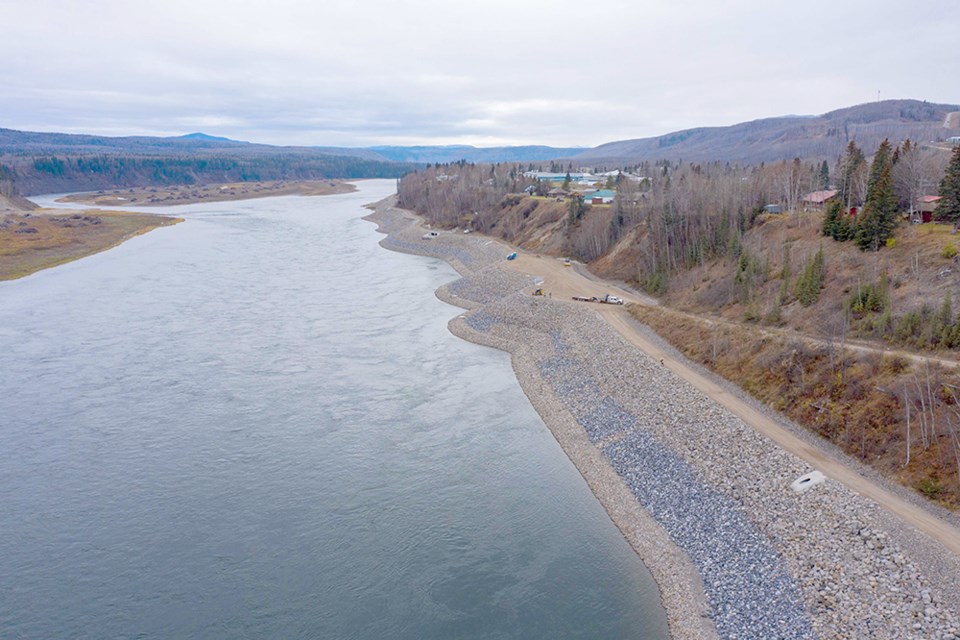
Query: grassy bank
{"x": 898, "y": 415}
{"x": 30, "y": 242}
{"x": 189, "y": 194}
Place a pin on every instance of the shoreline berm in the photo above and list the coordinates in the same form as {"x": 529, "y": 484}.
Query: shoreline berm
{"x": 704, "y": 499}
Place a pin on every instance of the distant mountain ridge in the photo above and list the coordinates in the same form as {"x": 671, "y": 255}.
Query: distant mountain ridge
{"x": 37, "y": 162}
{"x": 773, "y": 139}
{"x": 205, "y": 136}
{"x": 19, "y": 142}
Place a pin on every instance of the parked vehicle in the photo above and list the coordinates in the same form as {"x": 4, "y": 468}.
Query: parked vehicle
{"x": 607, "y": 299}
{"x": 512, "y": 256}
{"x": 430, "y": 234}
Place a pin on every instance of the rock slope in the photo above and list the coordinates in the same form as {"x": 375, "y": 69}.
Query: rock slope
{"x": 704, "y": 499}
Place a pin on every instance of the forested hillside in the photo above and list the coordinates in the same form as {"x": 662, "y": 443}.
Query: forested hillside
{"x": 48, "y": 162}
{"x": 821, "y": 137}
{"x": 35, "y": 163}
{"x": 700, "y": 237}
{"x": 58, "y": 174}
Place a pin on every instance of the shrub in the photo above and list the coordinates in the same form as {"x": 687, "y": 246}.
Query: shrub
{"x": 930, "y": 487}
{"x": 949, "y": 251}
{"x": 655, "y": 283}
{"x": 808, "y": 286}
{"x": 869, "y": 298}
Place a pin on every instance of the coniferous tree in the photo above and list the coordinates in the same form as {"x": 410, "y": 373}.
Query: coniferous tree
{"x": 949, "y": 206}
{"x": 881, "y": 160}
{"x": 879, "y": 217}
{"x": 830, "y": 218}
{"x": 808, "y": 286}
{"x": 850, "y": 170}
{"x": 836, "y": 223}
{"x": 823, "y": 179}
{"x": 845, "y": 227}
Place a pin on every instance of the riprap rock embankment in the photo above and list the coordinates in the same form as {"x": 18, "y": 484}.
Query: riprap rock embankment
{"x": 703, "y": 498}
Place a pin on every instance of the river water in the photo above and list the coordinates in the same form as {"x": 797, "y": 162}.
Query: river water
{"x": 255, "y": 424}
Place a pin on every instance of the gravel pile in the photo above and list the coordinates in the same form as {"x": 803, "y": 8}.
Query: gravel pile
{"x": 774, "y": 564}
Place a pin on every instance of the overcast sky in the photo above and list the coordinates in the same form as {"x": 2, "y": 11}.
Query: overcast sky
{"x": 487, "y": 72}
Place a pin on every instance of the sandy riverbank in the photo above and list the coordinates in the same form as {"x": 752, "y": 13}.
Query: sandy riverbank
{"x": 33, "y": 239}
{"x": 702, "y": 496}
{"x": 45, "y": 238}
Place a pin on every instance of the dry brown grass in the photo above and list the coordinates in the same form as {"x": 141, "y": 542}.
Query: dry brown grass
{"x": 533, "y": 222}
{"x": 40, "y": 240}
{"x": 856, "y": 401}
{"x": 188, "y": 194}
{"x": 915, "y": 266}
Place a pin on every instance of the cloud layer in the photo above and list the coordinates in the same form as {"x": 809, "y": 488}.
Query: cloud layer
{"x": 437, "y": 72}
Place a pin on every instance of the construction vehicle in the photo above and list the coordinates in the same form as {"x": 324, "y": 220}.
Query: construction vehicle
{"x": 538, "y": 292}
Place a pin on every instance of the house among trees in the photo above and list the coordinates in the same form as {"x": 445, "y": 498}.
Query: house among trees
{"x": 817, "y": 200}
{"x": 600, "y": 196}
{"x": 926, "y": 205}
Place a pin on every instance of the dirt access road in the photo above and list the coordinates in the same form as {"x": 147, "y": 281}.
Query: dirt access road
{"x": 563, "y": 282}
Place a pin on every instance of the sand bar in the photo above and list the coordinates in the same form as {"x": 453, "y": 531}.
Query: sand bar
{"x": 43, "y": 238}
{"x": 220, "y": 192}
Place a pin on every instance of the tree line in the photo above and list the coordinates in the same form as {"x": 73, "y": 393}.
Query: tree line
{"x": 690, "y": 213}
{"x": 870, "y": 200}
{"x": 51, "y": 173}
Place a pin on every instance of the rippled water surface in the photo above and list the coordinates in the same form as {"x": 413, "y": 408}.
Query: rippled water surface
{"x": 255, "y": 424}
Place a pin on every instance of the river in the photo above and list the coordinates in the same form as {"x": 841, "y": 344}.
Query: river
{"x": 255, "y": 424}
